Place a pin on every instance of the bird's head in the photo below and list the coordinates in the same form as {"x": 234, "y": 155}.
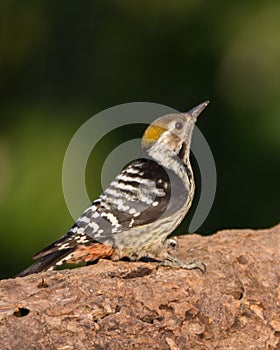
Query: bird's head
{"x": 172, "y": 132}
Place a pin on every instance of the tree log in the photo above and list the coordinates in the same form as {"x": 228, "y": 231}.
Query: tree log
{"x": 235, "y": 304}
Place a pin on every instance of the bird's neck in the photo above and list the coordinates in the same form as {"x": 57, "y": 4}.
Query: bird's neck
{"x": 171, "y": 161}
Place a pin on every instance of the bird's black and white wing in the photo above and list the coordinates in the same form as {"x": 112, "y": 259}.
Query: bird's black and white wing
{"x": 139, "y": 195}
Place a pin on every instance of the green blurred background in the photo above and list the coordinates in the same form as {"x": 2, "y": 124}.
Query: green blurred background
{"x": 63, "y": 61}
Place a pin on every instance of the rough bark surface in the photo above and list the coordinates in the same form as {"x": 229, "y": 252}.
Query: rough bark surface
{"x": 124, "y": 305}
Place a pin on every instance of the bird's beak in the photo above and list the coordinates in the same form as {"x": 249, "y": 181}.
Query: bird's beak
{"x": 195, "y": 112}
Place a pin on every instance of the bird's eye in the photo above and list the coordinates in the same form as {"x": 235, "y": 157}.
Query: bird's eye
{"x": 178, "y": 125}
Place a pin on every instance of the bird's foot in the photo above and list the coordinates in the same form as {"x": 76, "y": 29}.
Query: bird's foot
{"x": 175, "y": 263}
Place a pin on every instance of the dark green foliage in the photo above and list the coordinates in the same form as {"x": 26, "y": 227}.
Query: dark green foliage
{"x": 62, "y": 61}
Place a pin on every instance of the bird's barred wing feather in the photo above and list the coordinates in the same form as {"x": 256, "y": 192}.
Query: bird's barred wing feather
{"x": 132, "y": 199}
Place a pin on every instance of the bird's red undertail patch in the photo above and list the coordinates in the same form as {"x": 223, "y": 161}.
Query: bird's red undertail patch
{"x": 91, "y": 252}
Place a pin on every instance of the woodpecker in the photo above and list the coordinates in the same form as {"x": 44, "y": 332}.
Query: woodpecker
{"x": 141, "y": 207}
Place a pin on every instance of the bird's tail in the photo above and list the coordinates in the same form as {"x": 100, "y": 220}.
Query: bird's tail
{"x": 47, "y": 262}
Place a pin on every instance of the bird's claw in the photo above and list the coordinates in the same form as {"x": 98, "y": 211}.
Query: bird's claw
{"x": 190, "y": 265}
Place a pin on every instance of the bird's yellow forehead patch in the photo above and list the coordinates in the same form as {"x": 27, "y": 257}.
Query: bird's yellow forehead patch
{"x": 153, "y": 133}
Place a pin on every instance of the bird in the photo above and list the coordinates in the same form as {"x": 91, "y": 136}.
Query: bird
{"x": 133, "y": 217}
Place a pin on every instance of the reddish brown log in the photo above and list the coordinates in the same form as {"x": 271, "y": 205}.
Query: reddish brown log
{"x": 123, "y": 305}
